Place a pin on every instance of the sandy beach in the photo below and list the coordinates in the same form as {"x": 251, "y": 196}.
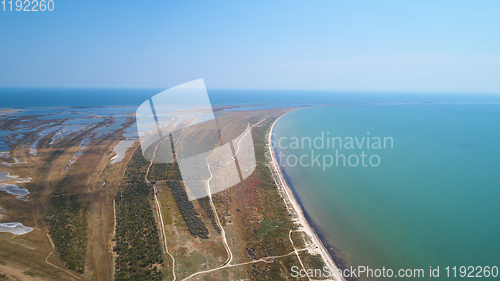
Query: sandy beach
{"x": 297, "y": 213}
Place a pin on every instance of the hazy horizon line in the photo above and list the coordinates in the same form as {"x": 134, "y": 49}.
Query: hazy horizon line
{"x": 253, "y": 89}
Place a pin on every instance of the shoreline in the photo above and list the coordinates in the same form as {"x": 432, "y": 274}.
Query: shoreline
{"x": 339, "y": 262}
{"x": 295, "y": 209}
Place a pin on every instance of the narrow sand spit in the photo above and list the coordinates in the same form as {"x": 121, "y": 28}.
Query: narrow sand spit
{"x": 296, "y": 211}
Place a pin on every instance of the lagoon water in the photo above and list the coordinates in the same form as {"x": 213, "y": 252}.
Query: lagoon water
{"x": 432, "y": 201}
{"x": 20, "y": 192}
{"x": 16, "y": 228}
{"x": 120, "y": 150}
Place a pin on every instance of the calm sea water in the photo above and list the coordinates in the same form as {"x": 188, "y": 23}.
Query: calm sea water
{"x": 432, "y": 201}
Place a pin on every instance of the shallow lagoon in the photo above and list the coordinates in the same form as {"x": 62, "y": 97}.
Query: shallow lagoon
{"x": 13, "y": 189}
{"x": 6, "y": 176}
{"x": 80, "y": 121}
{"x": 16, "y": 228}
{"x": 4, "y": 146}
{"x": 11, "y": 186}
{"x": 120, "y": 149}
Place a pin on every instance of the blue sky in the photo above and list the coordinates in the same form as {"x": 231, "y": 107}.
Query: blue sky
{"x": 431, "y": 46}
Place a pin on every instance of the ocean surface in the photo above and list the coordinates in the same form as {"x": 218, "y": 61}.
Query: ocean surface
{"x": 87, "y": 97}
{"x": 430, "y": 198}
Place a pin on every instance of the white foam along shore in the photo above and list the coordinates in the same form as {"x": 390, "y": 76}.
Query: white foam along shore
{"x": 296, "y": 211}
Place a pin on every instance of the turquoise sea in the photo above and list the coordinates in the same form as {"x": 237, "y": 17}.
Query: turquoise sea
{"x": 433, "y": 200}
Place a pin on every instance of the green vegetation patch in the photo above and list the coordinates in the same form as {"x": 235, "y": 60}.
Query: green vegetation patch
{"x": 138, "y": 247}
{"x": 205, "y": 204}
{"x": 68, "y": 226}
{"x": 196, "y": 226}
